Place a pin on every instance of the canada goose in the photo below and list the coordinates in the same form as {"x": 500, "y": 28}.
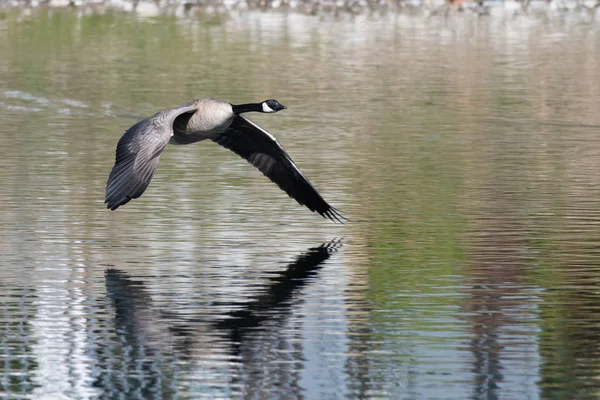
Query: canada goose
{"x": 140, "y": 147}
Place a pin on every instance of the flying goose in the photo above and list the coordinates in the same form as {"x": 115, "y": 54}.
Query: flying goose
{"x": 140, "y": 147}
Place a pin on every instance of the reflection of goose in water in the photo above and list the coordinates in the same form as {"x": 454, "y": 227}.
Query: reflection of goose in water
{"x": 136, "y": 315}
{"x": 139, "y": 149}
{"x": 151, "y": 342}
{"x": 276, "y": 299}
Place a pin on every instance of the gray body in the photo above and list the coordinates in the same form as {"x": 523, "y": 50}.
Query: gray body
{"x": 212, "y": 117}
{"x": 139, "y": 149}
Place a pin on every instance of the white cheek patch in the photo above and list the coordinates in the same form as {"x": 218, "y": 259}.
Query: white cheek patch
{"x": 266, "y": 108}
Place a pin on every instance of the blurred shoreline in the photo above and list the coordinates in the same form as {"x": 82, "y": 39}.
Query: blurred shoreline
{"x": 587, "y": 9}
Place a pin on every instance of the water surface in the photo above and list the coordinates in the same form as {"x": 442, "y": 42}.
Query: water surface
{"x": 465, "y": 151}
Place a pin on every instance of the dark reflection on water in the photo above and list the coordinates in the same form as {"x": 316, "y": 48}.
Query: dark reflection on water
{"x": 151, "y": 343}
{"x": 279, "y": 293}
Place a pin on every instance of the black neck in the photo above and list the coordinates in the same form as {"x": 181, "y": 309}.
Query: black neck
{"x": 242, "y": 108}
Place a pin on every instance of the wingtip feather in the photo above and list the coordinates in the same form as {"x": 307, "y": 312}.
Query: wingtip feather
{"x": 334, "y": 215}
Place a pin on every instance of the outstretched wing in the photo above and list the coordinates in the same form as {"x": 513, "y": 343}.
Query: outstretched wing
{"x": 262, "y": 150}
{"x": 137, "y": 156}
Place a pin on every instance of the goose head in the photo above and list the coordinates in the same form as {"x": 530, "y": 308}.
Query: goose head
{"x": 272, "y": 106}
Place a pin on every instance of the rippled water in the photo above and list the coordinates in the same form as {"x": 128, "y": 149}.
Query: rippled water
{"x": 464, "y": 150}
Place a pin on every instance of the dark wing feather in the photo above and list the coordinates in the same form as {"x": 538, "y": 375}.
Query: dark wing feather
{"x": 137, "y": 156}
{"x": 262, "y": 150}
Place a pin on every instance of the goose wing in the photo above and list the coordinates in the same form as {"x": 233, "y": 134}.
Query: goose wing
{"x": 262, "y": 150}
{"x": 137, "y": 156}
